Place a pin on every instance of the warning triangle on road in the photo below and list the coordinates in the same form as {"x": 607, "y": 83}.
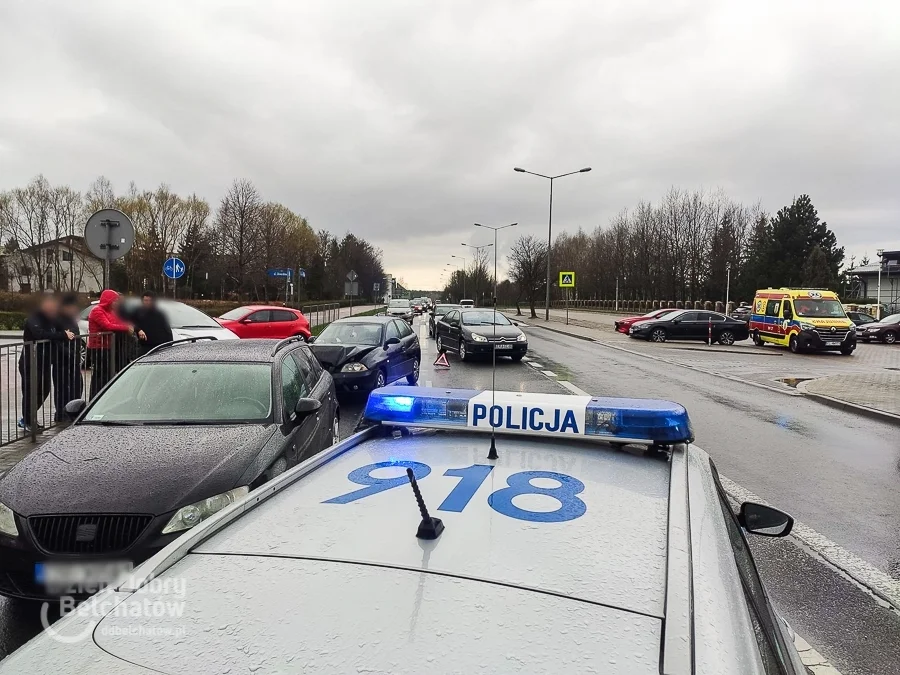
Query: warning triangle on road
{"x": 441, "y": 360}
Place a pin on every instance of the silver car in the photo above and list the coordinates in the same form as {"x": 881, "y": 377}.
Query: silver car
{"x": 599, "y": 540}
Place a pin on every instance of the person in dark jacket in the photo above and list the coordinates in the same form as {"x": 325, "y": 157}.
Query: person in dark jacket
{"x": 40, "y": 328}
{"x": 151, "y": 324}
{"x": 67, "y": 382}
{"x": 104, "y": 327}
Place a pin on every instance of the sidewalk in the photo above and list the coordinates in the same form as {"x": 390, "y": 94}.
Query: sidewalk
{"x": 867, "y": 383}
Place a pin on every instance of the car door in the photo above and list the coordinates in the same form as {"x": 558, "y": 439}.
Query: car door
{"x": 452, "y": 329}
{"x": 255, "y": 324}
{"x": 701, "y": 327}
{"x": 321, "y": 387}
{"x": 409, "y": 343}
{"x": 301, "y": 437}
{"x": 280, "y": 324}
{"x": 394, "y": 353}
{"x": 683, "y": 325}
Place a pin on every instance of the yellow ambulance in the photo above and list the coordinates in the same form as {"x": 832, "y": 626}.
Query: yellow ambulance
{"x": 802, "y": 319}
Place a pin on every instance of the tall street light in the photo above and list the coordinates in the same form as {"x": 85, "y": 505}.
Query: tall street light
{"x": 474, "y": 258}
{"x": 550, "y": 226}
{"x": 880, "y": 254}
{"x": 492, "y": 453}
{"x": 455, "y": 266}
{"x": 463, "y": 263}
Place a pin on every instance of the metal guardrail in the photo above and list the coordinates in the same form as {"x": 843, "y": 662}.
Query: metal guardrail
{"x": 321, "y": 314}
{"x": 38, "y": 379}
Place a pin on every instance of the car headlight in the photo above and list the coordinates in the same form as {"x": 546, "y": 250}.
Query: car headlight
{"x": 806, "y": 326}
{"x": 521, "y": 337}
{"x": 478, "y": 338}
{"x": 852, "y": 329}
{"x": 353, "y": 368}
{"x": 193, "y": 514}
{"x": 8, "y": 521}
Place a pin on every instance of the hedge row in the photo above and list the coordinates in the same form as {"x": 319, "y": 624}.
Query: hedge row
{"x": 12, "y": 320}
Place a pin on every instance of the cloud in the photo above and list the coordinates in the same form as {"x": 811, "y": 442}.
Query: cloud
{"x": 401, "y": 121}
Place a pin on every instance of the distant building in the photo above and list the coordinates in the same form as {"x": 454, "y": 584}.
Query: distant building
{"x": 63, "y": 264}
{"x": 865, "y": 281}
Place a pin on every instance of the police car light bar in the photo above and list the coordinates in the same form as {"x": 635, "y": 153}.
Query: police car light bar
{"x": 623, "y": 420}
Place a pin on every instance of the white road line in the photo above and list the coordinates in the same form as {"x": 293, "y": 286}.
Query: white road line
{"x": 813, "y": 659}
{"x": 867, "y": 575}
{"x": 571, "y": 387}
{"x": 427, "y": 383}
{"x": 535, "y": 364}
{"x": 549, "y": 373}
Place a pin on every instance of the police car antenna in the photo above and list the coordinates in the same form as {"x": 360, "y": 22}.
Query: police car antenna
{"x": 429, "y": 528}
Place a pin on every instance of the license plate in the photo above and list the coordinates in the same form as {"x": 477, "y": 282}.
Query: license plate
{"x": 832, "y": 343}
{"x": 503, "y": 346}
{"x": 85, "y": 575}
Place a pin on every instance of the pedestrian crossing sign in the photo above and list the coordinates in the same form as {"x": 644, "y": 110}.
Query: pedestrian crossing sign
{"x": 567, "y": 279}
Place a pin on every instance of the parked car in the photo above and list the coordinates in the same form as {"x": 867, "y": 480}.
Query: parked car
{"x": 622, "y": 325}
{"x": 175, "y": 437}
{"x": 887, "y": 330}
{"x": 691, "y": 325}
{"x": 742, "y": 312}
{"x": 263, "y": 321}
{"x": 435, "y": 315}
{"x": 478, "y": 332}
{"x": 366, "y": 353}
{"x": 466, "y": 303}
{"x": 861, "y": 318}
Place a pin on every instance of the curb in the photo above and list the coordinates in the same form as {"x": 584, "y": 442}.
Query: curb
{"x": 847, "y": 406}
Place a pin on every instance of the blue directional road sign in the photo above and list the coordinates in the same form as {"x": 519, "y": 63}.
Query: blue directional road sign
{"x": 284, "y": 272}
{"x": 174, "y": 268}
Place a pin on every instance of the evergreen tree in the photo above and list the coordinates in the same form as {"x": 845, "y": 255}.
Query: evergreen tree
{"x": 815, "y": 269}
{"x": 796, "y": 231}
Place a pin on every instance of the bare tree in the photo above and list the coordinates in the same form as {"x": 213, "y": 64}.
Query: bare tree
{"x": 237, "y": 223}
{"x": 527, "y": 268}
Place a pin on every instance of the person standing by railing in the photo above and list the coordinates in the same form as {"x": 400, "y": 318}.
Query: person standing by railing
{"x": 67, "y": 382}
{"x": 104, "y": 318}
{"x": 151, "y": 324}
{"x": 41, "y": 328}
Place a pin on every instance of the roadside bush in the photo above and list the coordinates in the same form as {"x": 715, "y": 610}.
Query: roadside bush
{"x": 12, "y": 320}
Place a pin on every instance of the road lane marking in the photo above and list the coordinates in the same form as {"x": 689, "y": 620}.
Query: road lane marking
{"x": 549, "y": 373}
{"x": 536, "y": 365}
{"x": 863, "y": 573}
{"x": 578, "y": 391}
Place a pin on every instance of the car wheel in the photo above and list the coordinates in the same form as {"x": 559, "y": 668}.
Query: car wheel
{"x": 336, "y": 429}
{"x": 889, "y": 338}
{"x": 757, "y": 340}
{"x": 380, "y": 379}
{"x": 794, "y": 344}
{"x": 413, "y": 377}
{"x": 726, "y": 338}
{"x": 517, "y": 357}
{"x": 301, "y": 335}
{"x": 439, "y": 344}
{"x": 658, "y": 335}
{"x": 847, "y": 351}
{"x": 463, "y": 354}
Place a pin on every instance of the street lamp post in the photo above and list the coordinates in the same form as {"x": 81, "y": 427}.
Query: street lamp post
{"x": 475, "y": 268}
{"x": 880, "y": 254}
{"x": 727, "y": 284}
{"x": 459, "y": 257}
{"x": 492, "y": 453}
{"x": 550, "y": 226}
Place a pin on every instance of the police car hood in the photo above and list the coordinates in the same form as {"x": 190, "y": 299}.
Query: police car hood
{"x": 336, "y": 355}
{"x": 144, "y": 469}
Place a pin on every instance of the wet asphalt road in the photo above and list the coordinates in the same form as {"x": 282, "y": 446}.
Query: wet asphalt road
{"x": 834, "y": 471}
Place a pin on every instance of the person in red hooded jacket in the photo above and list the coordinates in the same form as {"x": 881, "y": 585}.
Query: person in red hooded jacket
{"x": 104, "y": 318}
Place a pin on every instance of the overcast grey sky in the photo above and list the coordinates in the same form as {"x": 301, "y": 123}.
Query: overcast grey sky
{"x": 402, "y": 121}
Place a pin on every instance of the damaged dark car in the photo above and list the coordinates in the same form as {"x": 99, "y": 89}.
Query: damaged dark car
{"x": 177, "y": 436}
{"x": 368, "y": 352}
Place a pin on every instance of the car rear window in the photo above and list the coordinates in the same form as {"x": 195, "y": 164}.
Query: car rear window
{"x": 186, "y": 392}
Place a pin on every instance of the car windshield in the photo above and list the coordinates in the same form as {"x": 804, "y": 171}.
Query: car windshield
{"x": 484, "y": 317}
{"x": 400, "y": 303}
{"x": 185, "y": 316}
{"x": 198, "y": 393}
{"x": 351, "y": 333}
{"x": 440, "y": 310}
{"x": 821, "y": 309}
{"x": 235, "y": 314}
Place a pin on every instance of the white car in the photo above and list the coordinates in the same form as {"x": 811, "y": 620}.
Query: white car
{"x": 424, "y": 552}
{"x": 185, "y": 321}
{"x": 466, "y": 303}
{"x": 400, "y": 307}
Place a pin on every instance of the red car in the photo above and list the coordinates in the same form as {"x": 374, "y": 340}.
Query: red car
{"x": 622, "y": 325}
{"x": 262, "y": 321}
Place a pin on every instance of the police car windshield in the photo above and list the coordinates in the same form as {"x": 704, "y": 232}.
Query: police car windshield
{"x": 484, "y": 317}
{"x": 822, "y": 309}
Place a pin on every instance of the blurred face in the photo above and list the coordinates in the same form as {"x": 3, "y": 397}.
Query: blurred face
{"x": 147, "y": 301}
{"x": 49, "y": 306}
{"x": 69, "y": 310}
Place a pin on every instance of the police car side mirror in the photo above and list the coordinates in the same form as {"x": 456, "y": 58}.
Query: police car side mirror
{"x": 764, "y": 520}
{"x": 75, "y": 407}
